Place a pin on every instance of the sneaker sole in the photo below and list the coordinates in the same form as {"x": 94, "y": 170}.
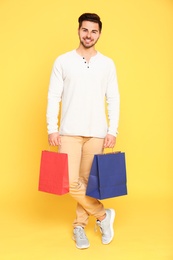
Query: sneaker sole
{"x": 82, "y": 247}
{"x": 112, "y": 229}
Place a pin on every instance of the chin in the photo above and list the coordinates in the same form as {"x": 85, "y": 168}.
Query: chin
{"x": 87, "y": 46}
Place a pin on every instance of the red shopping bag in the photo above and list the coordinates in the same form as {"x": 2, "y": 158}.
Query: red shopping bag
{"x": 54, "y": 173}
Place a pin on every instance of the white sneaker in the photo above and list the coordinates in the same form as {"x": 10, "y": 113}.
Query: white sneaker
{"x": 80, "y": 238}
{"x": 106, "y": 226}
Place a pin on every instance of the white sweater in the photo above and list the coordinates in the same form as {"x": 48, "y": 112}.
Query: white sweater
{"x": 82, "y": 88}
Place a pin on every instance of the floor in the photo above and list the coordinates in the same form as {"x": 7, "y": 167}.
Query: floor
{"x": 32, "y": 230}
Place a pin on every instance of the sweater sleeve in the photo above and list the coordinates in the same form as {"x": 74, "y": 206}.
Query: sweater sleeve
{"x": 54, "y": 97}
{"x": 113, "y": 100}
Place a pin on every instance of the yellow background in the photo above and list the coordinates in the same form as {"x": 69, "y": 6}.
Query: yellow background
{"x": 138, "y": 35}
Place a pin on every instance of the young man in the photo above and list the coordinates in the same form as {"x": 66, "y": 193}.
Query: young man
{"x": 80, "y": 80}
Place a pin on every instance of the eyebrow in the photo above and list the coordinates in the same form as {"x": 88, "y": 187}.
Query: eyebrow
{"x": 83, "y": 28}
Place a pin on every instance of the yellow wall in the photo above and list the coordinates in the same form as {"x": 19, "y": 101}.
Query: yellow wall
{"x": 137, "y": 34}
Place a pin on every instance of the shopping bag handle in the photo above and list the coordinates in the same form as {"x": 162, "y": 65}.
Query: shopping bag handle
{"x": 111, "y": 152}
{"x": 50, "y": 149}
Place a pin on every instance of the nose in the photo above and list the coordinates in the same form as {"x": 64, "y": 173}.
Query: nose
{"x": 88, "y": 35}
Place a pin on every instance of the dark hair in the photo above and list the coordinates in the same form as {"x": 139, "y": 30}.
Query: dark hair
{"x": 90, "y": 17}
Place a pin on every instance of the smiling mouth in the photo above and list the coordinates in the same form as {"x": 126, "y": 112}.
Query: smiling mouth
{"x": 87, "y": 40}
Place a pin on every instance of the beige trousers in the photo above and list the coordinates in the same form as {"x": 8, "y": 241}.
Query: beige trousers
{"x": 80, "y": 152}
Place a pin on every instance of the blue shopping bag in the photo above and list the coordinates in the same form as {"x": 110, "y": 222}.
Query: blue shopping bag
{"x": 107, "y": 176}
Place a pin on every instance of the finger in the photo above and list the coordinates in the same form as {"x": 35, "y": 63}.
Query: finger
{"x": 59, "y": 141}
{"x": 105, "y": 142}
{"x": 111, "y": 144}
{"x": 51, "y": 142}
{"x": 107, "y": 145}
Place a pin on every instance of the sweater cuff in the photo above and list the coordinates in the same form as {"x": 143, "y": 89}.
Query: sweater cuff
{"x": 113, "y": 133}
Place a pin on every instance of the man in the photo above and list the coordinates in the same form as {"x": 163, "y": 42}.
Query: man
{"x": 80, "y": 80}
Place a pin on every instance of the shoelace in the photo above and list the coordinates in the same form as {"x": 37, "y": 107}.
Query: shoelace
{"x": 81, "y": 234}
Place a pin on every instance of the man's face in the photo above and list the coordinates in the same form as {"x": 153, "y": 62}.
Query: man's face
{"x": 89, "y": 34}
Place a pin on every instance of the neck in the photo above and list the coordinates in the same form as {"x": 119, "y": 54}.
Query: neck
{"x": 86, "y": 53}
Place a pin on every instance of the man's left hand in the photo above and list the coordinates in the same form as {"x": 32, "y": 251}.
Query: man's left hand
{"x": 109, "y": 141}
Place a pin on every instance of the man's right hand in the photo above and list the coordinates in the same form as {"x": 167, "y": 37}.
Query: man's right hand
{"x": 54, "y": 139}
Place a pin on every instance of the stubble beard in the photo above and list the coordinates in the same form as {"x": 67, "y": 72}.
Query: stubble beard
{"x": 88, "y": 46}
